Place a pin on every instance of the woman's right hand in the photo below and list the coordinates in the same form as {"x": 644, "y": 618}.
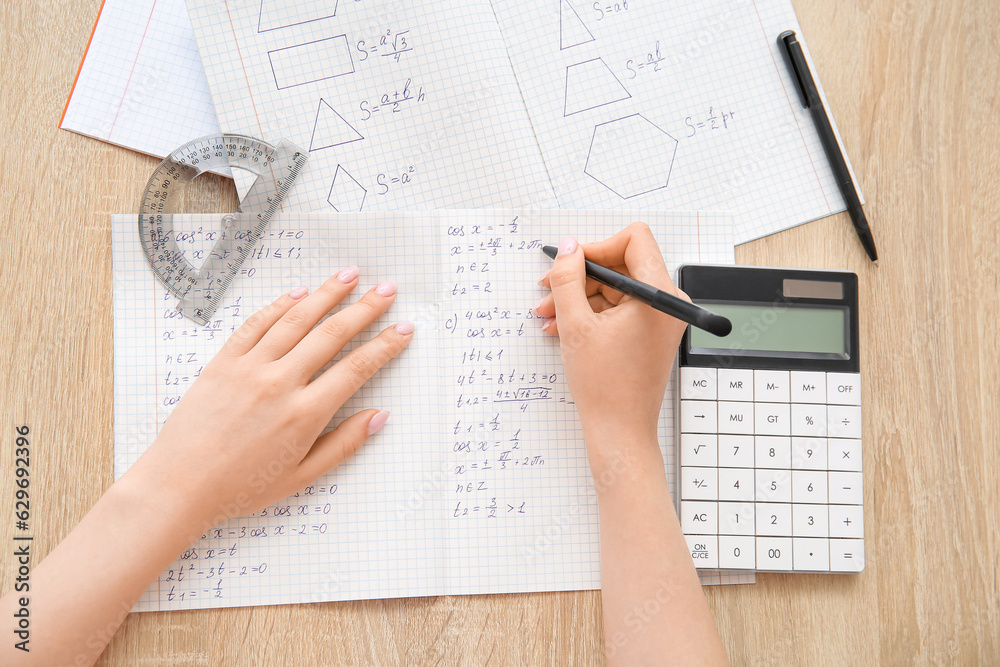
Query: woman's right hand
{"x": 617, "y": 352}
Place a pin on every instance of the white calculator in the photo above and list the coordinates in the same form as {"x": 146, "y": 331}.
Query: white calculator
{"x": 769, "y": 422}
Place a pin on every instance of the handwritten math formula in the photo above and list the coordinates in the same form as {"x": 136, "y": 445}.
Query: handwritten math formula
{"x": 498, "y": 384}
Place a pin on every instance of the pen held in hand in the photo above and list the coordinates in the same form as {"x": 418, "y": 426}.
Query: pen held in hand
{"x": 656, "y": 298}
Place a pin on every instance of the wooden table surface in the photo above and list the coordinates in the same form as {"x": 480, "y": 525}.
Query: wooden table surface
{"x": 913, "y": 86}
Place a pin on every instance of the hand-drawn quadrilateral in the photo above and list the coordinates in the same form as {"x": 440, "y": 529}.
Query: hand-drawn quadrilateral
{"x": 631, "y": 156}
{"x": 310, "y": 62}
{"x": 591, "y": 84}
{"x": 346, "y": 194}
{"x": 276, "y": 14}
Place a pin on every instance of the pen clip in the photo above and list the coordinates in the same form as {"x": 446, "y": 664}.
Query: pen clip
{"x": 785, "y": 42}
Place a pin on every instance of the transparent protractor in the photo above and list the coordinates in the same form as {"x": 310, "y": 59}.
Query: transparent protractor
{"x": 164, "y": 197}
{"x": 273, "y": 169}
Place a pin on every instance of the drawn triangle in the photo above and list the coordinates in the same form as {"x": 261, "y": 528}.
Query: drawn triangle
{"x": 330, "y": 129}
{"x": 572, "y": 30}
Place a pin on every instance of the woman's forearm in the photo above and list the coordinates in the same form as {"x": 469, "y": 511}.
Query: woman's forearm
{"x": 83, "y": 590}
{"x": 654, "y": 609}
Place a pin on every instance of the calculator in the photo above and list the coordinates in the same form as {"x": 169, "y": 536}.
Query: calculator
{"x": 770, "y": 422}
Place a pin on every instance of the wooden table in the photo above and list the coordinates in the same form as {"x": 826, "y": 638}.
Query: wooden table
{"x": 913, "y": 86}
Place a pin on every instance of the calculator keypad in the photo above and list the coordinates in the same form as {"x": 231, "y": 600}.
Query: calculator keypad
{"x": 771, "y": 469}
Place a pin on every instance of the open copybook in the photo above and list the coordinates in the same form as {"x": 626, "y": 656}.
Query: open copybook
{"x": 479, "y": 483}
{"x": 496, "y": 103}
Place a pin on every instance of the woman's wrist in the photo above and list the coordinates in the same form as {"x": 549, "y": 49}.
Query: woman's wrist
{"x": 620, "y": 460}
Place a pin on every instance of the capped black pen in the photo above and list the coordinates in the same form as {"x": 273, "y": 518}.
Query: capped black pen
{"x": 656, "y": 298}
{"x": 790, "y": 48}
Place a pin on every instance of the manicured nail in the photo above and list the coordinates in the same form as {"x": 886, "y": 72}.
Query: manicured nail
{"x": 541, "y": 282}
{"x": 404, "y": 328}
{"x": 348, "y": 274}
{"x": 548, "y": 323}
{"x": 567, "y": 246}
{"x": 388, "y": 288}
{"x": 378, "y": 421}
{"x": 298, "y": 292}
{"x": 538, "y": 305}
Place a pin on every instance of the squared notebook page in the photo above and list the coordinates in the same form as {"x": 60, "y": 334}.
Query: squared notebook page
{"x": 671, "y": 105}
{"x": 400, "y": 106}
{"x": 479, "y": 482}
{"x": 140, "y": 84}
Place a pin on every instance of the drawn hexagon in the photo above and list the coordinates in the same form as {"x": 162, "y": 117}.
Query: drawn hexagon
{"x": 631, "y": 156}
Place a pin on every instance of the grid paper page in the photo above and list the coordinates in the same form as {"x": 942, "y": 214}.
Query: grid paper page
{"x": 479, "y": 482}
{"x": 671, "y": 105}
{"x": 399, "y": 106}
{"x": 141, "y": 84}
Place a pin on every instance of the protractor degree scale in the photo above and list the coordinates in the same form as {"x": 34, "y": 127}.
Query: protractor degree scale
{"x": 200, "y": 288}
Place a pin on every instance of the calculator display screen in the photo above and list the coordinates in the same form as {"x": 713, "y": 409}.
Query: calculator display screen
{"x": 770, "y": 328}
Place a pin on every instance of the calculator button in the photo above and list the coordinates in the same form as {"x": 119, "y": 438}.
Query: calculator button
{"x": 736, "y": 484}
{"x": 772, "y": 419}
{"x": 843, "y": 421}
{"x": 808, "y": 387}
{"x": 770, "y": 386}
{"x": 699, "y": 518}
{"x": 698, "y": 449}
{"x": 698, "y": 417}
{"x": 808, "y": 486}
{"x": 736, "y": 518}
{"x": 809, "y": 419}
{"x": 736, "y": 451}
{"x": 735, "y": 417}
{"x": 810, "y": 520}
{"x": 737, "y": 553}
{"x": 845, "y": 488}
{"x": 704, "y": 550}
{"x": 773, "y": 486}
{"x": 773, "y": 451}
{"x": 845, "y": 454}
{"x": 843, "y": 388}
{"x": 810, "y": 554}
{"x": 698, "y": 383}
{"x": 847, "y": 555}
{"x": 699, "y": 483}
{"x": 809, "y": 453}
{"x": 735, "y": 385}
{"x": 774, "y": 519}
{"x": 847, "y": 521}
{"x": 774, "y": 553}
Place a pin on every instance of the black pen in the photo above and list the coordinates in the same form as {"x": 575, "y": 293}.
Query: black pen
{"x": 662, "y": 301}
{"x": 809, "y": 94}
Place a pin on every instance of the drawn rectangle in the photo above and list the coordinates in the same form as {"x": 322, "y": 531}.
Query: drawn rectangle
{"x": 310, "y": 62}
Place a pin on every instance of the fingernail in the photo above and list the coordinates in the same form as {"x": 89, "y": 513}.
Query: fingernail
{"x": 538, "y": 305}
{"x": 548, "y": 323}
{"x": 388, "y": 288}
{"x": 567, "y": 246}
{"x": 298, "y": 292}
{"x": 378, "y": 421}
{"x": 348, "y": 274}
{"x": 404, "y": 328}
{"x": 541, "y": 282}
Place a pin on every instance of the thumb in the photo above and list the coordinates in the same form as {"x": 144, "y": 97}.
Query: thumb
{"x": 568, "y": 280}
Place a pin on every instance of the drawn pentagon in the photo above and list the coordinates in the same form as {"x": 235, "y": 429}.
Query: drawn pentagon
{"x": 631, "y": 156}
